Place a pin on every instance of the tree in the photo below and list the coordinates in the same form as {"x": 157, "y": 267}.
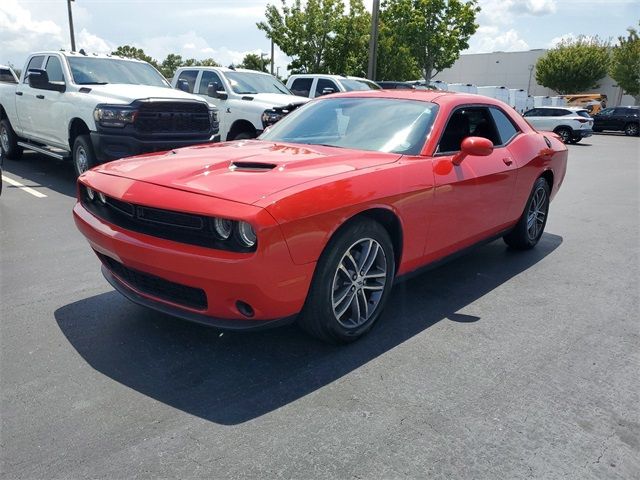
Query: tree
{"x": 171, "y": 64}
{"x": 127, "y": 51}
{"x": 395, "y": 61}
{"x": 433, "y": 31}
{"x": 574, "y": 65}
{"x": 253, "y": 61}
{"x": 318, "y": 36}
{"x": 625, "y": 64}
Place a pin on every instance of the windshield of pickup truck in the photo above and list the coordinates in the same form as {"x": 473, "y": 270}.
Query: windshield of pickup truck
{"x": 351, "y": 84}
{"x": 101, "y": 71}
{"x": 247, "y": 83}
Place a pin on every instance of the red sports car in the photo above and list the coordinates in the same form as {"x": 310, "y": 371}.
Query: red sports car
{"x": 315, "y": 220}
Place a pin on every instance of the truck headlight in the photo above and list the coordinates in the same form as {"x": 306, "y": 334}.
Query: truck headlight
{"x": 114, "y": 116}
{"x": 271, "y": 116}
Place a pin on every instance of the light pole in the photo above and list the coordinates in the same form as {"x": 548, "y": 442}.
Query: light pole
{"x": 373, "y": 41}
{"x": 262, "y": 61}
{"x": 73, "y": 37}
{"x": 531, "y": 67}
{"x": 272, "y": 61}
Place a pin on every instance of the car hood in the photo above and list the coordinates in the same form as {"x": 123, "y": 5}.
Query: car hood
{"x": 125, "y": 94}
{"x": 244, "y": 171}
{"x": 277, "y": 99}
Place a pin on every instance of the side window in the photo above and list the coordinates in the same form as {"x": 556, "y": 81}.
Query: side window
{"x": 5, "y": 76}
{"x": 34, "y": 64}
{"x": 467, "y": 122}
{"x": 325, "y": 83}
{"x": 606, "y": 112}
{"x": 207, "y": 78}
{"x": 301, "y": 86}
{"x": 506, "y": 129}
{"x": 54, "y": 70}
{"x": 189, "y": 76}
{"x": 532, "y": 113}
{"x": 620, "y": 111}
{"x": 561, "y": 112}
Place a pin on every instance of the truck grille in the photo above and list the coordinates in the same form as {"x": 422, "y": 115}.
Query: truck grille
{"x": 156, "y": 286}
{"x": 172, "y": 117}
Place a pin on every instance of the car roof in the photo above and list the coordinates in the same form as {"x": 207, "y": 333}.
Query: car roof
{"x": 328, "y": 75}
{"x": 443, "y": 97}
{"x": 222, "y": 69}
{"x": 66, "y": 53}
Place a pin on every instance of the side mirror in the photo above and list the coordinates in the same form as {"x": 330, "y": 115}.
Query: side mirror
{"x": 183, "y": 85}
{"x": 39, "y": 79}
{"x": 476, "y": 146}
{"x": 214, "y": 90}
{"x": 327, "y": 91}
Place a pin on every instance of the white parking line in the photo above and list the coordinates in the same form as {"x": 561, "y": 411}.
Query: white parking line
{"x": 30, "y": 190}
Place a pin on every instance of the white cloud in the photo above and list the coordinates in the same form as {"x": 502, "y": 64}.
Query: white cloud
{"x": 21, "y": 33}
{"x": 92, "y": 43}
{"x": 493, "y": 39}
{"x": 556, "y": 40}
{"x": 533, "y": 7}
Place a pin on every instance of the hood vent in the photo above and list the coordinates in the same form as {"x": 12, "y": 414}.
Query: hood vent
{"x": 252, "y": 166}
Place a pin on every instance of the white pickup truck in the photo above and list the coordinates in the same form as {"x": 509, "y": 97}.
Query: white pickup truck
{"x": 96, "y": 108}
{"x": 249, "y": 101}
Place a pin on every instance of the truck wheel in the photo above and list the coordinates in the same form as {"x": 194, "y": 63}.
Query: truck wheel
{"x": 243, "y": 136}
{"x": 9, "y": 141}
{"x": 83, "y": 156}
{"x": 631, "y": 129}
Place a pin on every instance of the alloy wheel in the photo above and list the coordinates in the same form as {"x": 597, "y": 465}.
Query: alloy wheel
{"x": 631, "y": 130}
{"x": 564, "y": 135}
{"x": 537, "y": 213}
{"x": 359, "y": 283}
{"x": 82, "y": 162}
{"x": 4, "y": 138}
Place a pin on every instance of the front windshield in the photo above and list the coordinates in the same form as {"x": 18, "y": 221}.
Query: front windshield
{"x": 101, "y": 71}
{"x": 377, "y": 124}
{"x": 246, "y": 83}
{"x": 351, "y": 84}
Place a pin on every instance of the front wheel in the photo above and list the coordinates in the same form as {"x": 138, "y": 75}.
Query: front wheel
{"x": 351, "y": 284}
{"x": 9, "y": 141}
{"x": 564, "y": 134}
{"x": 83, "y": 155}
{"x": 529, "y": 229}
{"x": 631, "y": 129}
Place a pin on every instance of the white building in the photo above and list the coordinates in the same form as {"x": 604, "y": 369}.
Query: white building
{"x": 517, "y": 70}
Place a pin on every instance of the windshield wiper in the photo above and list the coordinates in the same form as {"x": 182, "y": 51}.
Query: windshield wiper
{"x": 93, "y": 83}
{"x": 247, "y": 93}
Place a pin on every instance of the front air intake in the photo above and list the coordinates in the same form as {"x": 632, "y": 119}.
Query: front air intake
{"x": 252, "y": 166}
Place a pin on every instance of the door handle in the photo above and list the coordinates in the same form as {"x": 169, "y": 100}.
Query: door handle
{"x": 41, "y": 97}
{"x": 507, "y": 161}
{"x": 19, "y": 93}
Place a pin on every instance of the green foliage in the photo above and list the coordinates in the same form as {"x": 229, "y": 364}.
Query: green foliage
{"x": 395, "y": 61}
{"x": 574, "y": 66}
{"x": 433, "y": 32}
{"x": 319, "y": 36}
{"x": 253, "y": 61}
{"x": 625, "y": 64}
{"x": 169, "y": 65}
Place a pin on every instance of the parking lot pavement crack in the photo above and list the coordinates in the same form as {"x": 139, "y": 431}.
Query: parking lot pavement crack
{"x": 604, "y": 447}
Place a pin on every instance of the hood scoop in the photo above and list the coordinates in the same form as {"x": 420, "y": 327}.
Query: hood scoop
{"x": 252, "y": 166}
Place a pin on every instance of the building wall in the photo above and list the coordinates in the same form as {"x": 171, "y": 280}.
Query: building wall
{"x": 517, "y": 70}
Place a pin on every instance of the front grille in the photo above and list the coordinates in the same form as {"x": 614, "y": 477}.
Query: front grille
{"x": 156, "y": 286}
{"x": 172, "y": 117}
{"x": 176, "y": 226}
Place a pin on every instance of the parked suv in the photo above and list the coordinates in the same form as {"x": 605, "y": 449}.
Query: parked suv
{"x": 96, "y": 108}
{"x": 249, "y": 101}
{"x": 312, "y": 85}
{"x": 571, "y": 124}
{"x": 625, "y": 119}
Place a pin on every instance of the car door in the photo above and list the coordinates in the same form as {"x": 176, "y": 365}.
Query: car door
{"x": 538, "y": 118}
{"x": 603, "y": 120}
{"x": 224, "y": 117}
{"x": 302, "y": 87}
{"x": 619, "y": 118}
{"x": 50, "y": 105}
{"x": 325, "y": 84}
{"x": 472, "y": 200}
{"x": 27, "y": 104}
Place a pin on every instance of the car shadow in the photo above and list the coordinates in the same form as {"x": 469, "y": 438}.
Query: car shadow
{"x": 231, "y": 378}
{"x": 43, "y": 171}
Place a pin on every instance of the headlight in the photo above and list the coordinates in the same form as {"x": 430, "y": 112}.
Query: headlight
{"x": 269, "y": 117}
{"x": 213, "y": 114}
{"x": 101, "y": 197}
{"x": 223, "y": 227}
{"x": 246, "y": 235}
{"x": 90, "y": 194}
{"x": 114, "y": 116}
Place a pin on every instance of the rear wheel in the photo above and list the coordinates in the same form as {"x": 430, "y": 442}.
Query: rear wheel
{"x": 564, "y": 134}
{"x": 243, "y": 136}
{"x": 631, "y": 129}
{"x": 352, "y": 283}
{"x": 83, "y": 155}
{"x": 530, "y": 227}
{"x": 9, "y": 141}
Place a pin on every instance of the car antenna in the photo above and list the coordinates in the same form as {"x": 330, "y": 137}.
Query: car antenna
{"x": 82, "y": 52}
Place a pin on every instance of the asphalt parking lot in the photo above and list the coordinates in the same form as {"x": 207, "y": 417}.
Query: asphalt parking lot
{"x": 497, "y": 365}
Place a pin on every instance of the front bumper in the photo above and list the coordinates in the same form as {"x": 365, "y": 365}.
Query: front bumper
{"x": 113, "y": 147}
{"x": 267, "y": 279}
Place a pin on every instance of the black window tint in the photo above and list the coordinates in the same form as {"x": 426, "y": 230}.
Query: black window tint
{"x": 606, "y": 112}
{"x": 189, "y": 76}
{"x": 54, "y": 70}
{"x": 584, "y": 113}
{"x": 532, "y": 113}
{"x": 5, "y": 76}
{"x": 468, "y": 122}
{"x": 620, "y": 111}
{"x": 505, "y": 127}
{"x": 34, "y": 63}
{"x": 301, "y": 86}
{"x": 561, "y": 112}
{"x": 324, "y": 83}
{"x": 207, "y": 78}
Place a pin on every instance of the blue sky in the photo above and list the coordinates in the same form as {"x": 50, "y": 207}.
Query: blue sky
{"x": 226, "y": 31}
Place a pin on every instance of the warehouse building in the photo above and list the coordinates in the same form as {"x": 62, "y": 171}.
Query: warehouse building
{"x": 517, "y": 70}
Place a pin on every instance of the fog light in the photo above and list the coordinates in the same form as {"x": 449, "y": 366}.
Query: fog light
{"x": 245, "y": 309}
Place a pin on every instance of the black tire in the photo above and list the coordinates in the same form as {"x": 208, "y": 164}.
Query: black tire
{"x": 564, "y": 133}
{"x": 321, "y": 315}
{"x": 631, "y": 129}
{"x": 9, "y": 141}
{"x": 523, "y": 236}
{"x": 82, "y": 155}
{"x": 243, "y": 136}
{"x": 576, "y": 139}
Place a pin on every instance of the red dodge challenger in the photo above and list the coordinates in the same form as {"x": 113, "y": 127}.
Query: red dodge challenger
{"x": 315, "y": 220}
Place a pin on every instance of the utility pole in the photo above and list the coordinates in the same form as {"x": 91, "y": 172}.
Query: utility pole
{"x": 73, "y": 37}
{"x": 272, "y": 64}
{"x": 373, "y": 41}
{"x": 262, "y": 61}
{"x": 531, "y": 67}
